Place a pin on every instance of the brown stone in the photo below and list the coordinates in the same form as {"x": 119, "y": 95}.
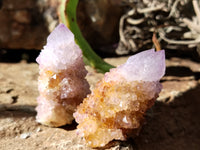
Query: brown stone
{"x": 24, "y": 24}
{"x": 22, "y": 16}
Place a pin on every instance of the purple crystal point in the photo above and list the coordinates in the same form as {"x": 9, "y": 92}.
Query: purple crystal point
{"x": 148, "y": 65}
{"x": 61, "y": 51}
{"x": 61, "y": 83}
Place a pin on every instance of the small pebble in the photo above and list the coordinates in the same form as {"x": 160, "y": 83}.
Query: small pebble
{"x": 25, "y": 135}
{"x": 38, "y": 130}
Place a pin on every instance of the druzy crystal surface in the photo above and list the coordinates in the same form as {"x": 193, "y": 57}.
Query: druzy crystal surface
{"x": 115, "y": 109}
{"x": 61, "y": 83}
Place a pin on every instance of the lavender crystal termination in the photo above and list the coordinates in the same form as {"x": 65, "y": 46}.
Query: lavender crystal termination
{"x": 61, "y": 83}
{"x": 146, "y": 66}
{"x": 115, "y": 109}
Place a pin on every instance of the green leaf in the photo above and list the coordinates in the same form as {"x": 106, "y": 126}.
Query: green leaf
{"x": 68, "y": 17}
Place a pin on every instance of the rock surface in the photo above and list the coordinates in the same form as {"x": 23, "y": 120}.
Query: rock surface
{"x": 173, "y": 123}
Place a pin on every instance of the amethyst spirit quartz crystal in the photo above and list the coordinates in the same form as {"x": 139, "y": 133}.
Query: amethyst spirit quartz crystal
{"x": 115, "y": 109}
{"x": 61, "y": 83}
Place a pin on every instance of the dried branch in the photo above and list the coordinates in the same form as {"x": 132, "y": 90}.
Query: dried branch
{"x": 156, "y": 43}
{"x": 191, "y": 25}
{"x": 121, "y": 33}
{"x": 135, "y": 21}
{"x": 148, "y": 10}
{"x": 164, "y": 18}
{"x": 173, "y": 8}
{"x": 180, "y": 42}
{"x": 196, "y": 9}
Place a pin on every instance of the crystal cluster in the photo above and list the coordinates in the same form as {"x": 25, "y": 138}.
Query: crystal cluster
{"x": 61, "y": 83}
{"x": 115, "y": 109}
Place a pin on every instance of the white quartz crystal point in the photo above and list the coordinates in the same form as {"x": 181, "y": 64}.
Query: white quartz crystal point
{"x": 148, "y": 65}
{"x": 60, "y": 50}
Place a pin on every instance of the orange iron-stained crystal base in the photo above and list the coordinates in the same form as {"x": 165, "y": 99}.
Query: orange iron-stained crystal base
{"x": 115, "y": 109}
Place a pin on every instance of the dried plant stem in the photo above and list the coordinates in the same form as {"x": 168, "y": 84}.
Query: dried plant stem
{"x": 180, "y": 42}
{"x": 191, "y": 25}
{"x": 121, "y": 33}
{"x": 150, "y": 9}
{"x": 135, "y": 21}
{"x": 164, "y": 18}
{"x": 173, "y": 8}
{"x": 156, "y": 42}
{"x": 196, "y": 9}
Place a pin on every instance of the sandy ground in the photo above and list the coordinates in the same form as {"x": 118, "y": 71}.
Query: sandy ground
{"x": 172, "y": 124}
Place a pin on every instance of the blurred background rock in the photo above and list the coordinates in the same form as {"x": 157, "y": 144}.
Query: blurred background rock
{"x": 25, "y": 24}
{"x": 22, "y": 25}
{"x": 112, "y": 27}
